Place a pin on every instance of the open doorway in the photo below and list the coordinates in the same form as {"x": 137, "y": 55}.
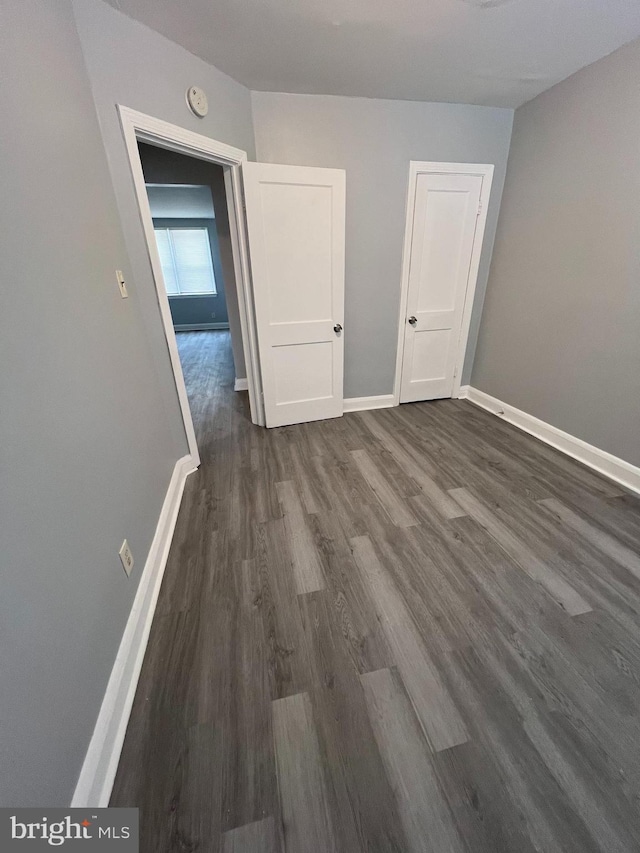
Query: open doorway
{"x": 188, "y": 205}
{"x": 191, "y": 152}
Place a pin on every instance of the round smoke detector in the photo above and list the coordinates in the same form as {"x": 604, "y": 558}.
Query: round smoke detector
{"x": 197, "y": 100}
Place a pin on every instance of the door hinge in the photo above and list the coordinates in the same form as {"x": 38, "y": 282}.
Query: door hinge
{"x": 479, "y": 208}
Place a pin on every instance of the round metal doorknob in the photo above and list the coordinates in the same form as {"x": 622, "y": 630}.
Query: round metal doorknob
{"x": 337, "y": 328}
{"x": 413, "y": 320}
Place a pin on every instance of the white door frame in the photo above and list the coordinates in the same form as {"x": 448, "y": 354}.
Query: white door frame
{"x": 419, "y": 167}
{"x": 136, "y": 127}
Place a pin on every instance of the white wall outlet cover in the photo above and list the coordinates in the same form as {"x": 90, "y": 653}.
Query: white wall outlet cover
{"x": 197, "y": 100}
{"x": 126, "y": 557}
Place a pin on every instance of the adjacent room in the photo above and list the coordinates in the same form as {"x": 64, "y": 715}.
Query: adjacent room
{"x": 196, "y": 272}
{"x": 320, "y": 468}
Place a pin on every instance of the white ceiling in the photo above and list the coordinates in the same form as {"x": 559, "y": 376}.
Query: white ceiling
{"x": 491, "y": 52}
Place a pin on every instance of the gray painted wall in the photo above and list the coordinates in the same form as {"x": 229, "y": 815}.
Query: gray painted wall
{"x": 179, "y": 201}
{"x": 197, "y": 313}
{"x": 87, "y": 451}
{"x": 560, "y": 335}
{"x": 132, "y": 65}
{"x": 374, "y": 140}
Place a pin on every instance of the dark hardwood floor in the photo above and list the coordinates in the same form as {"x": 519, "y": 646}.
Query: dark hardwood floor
{"x": 415, "y": 629}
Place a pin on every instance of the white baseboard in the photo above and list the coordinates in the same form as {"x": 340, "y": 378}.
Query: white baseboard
{"x": 101, "y": 761}
{"x": 199, "y": 327}
{"x": 607, "y": 464}
{"x": 241, "y": 385}
{"x": 361, "y": 404}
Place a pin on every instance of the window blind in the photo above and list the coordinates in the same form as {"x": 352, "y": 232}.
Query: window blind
{"x": 185, "y": 257}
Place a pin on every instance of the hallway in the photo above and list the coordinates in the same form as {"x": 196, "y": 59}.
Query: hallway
{"x": 413, "y": 629}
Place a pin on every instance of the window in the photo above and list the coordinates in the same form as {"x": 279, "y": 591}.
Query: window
{"x": 185, "y": 256}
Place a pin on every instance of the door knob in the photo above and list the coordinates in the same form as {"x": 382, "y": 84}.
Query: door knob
{"x": 337, "y": 328}
{"x": 412, "y": 320}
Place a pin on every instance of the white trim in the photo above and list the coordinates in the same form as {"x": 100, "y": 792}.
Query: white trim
{"x": 138, "y": 126}
{"x": 463, "y": 392}
{"x": 616, "y": 469}
{"x": 362, "y": 404}
{"x": 246, "y": 308}
{"x": 200, "y": 327}
{"x": 101, "y": 761}
{"x": 241, "y": 385}
{"x": 418, "y": 167}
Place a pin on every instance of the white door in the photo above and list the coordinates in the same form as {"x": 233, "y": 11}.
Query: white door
{"x": 295, "y": 223}
{"x": 445, "y": 214}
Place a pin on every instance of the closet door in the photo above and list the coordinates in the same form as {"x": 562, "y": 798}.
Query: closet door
{"x": 445, "y": 213}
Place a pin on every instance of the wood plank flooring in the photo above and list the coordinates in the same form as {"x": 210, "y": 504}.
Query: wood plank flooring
{"x": 415, "y": 629}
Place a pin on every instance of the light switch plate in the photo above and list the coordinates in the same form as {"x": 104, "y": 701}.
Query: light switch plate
{"x": 122, "y": 284}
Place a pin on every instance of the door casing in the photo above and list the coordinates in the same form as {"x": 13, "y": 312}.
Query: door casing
{"x": 137, "y": 127}
{"x": 419, "y": 167}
